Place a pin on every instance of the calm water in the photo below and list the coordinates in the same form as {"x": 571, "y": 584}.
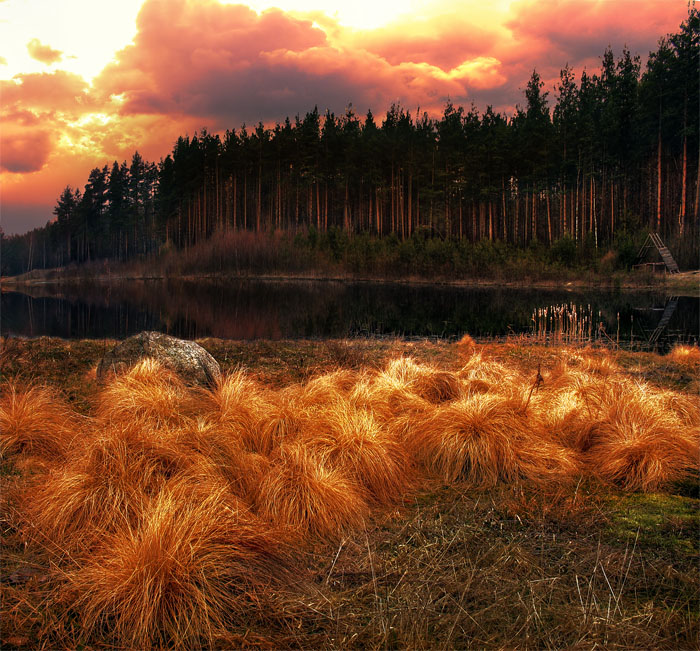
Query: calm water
{"x": 254, "y": 309}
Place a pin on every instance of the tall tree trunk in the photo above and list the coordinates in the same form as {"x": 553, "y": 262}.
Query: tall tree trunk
{"x": 612, "y": 210}
{"x": 684, "y": 184}
{"x": 235, "y": 201}
{"x": 258, "y": 208}
{"x": 593, "y": 210}
{"x": 410, "y": 197}
{"x": 658, "y": 183}
{"x": 503, "y": 209}
{"x": 696, "y": 213}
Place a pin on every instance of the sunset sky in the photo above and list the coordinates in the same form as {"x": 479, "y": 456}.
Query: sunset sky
{"x": 87, "y": 82}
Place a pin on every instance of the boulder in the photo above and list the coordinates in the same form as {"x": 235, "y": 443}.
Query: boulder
{"x": 186, "y": 358}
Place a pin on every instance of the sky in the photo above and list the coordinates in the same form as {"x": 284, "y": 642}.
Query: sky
{"x": 86, "y": 82}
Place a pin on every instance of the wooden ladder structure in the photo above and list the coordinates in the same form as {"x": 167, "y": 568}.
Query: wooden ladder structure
{"x": 654, "y": 241}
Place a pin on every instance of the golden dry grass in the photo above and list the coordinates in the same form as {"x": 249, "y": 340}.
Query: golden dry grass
{"x": 240, "y": 406}
{"x": 632, "y": 440}
{"x": 197, "y": 562}
{"x": 34, "y": 422}
{"x": 352, "y": 441}
{"x": 168, "y": 519}
{"x": 685, "y": 354}
{"x": 303, "y": 493}
{"x": 148, "y": 394}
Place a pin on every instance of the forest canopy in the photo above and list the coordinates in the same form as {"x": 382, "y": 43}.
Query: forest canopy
{"x": 592, "y": 162}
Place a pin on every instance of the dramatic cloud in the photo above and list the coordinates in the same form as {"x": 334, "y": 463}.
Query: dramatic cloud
{"x": 228, "y": 64}
{"x": 26, "y": 150}
{"x": 58, "y": 91}
{"x": 575, "y": 30}
{"x": 43, "y": 53}
{"x": 445, "y": 42}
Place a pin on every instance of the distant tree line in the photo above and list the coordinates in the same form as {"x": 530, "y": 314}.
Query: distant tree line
{"x": 619, "y": 152}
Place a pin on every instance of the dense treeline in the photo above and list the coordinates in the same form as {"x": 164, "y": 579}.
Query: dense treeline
{"x": 618, "y": 153}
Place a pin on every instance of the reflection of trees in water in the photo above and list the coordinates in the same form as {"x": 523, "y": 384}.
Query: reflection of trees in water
{"x": 273, "y": 309}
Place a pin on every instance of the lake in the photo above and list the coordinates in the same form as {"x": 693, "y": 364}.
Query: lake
{"x": 275, "y": 309}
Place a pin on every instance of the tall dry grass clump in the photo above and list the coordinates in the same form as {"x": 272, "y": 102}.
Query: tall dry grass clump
{"x": 474, "y": 439}
{"x": 683, "y": 354}
{"x": 352, "y": 440}
{"x": 390, "y": 393}
{"x": 325, "y": 389}
{"x": 487, "y": 438}
{"x": 466, "y": 347}
{"x": 198, "y": 563}
{"x": 635, "y": 442}
{"x": 33, "y": 422}
{"x": 103, "y": 486}
{"x": 302, "y": 492}
{"x": 217, "y": 452}
{"x": 481, "y": 375}
{"x": 147, "y": 395}
{"x": 425, "y": 381}
{"x": 241, "y": 406}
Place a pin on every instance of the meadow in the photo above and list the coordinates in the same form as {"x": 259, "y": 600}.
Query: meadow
{"x": 372, "y": 493}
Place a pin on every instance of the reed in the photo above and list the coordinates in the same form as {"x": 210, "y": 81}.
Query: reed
{"x": 565, "y": 324}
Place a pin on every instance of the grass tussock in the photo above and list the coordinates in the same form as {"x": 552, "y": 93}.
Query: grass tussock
{"x": 34, "y": 423}
{"x": 196, "y": 564}
{"x": 302, "y": 492}
{"x": 148, "y": 395}
{"x": 240, "y": 406}
{"x": 167, "y": 523}
{"x": 352, "y": 440}
{"x": 682, "y": 354}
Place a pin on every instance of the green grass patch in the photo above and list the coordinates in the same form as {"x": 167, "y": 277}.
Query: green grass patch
{"x": 670, "y": 522}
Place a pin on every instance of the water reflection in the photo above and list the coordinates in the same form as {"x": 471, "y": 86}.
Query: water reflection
{"x": 255, "y": 309}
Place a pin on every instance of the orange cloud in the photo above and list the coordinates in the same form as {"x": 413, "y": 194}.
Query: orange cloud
{"x": 226, "y": 64}
{"x": 576, "y": 30}
{"x": 57, "y": 91}
{"x": 25, "y": 150}
{"x": 44, "y": 53}
{"x": 442, "y": 41}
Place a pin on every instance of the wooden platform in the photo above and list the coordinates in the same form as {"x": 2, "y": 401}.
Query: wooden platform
{"x": 653, "y": 241}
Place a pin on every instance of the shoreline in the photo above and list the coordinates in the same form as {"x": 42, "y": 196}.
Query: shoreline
{"x": 684, "y": 284}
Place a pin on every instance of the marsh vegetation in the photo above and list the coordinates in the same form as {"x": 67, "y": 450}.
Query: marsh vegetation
{"x": 351, "y": 494}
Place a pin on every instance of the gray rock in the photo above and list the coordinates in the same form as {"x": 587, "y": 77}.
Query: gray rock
{"x": 186, "y": 358}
